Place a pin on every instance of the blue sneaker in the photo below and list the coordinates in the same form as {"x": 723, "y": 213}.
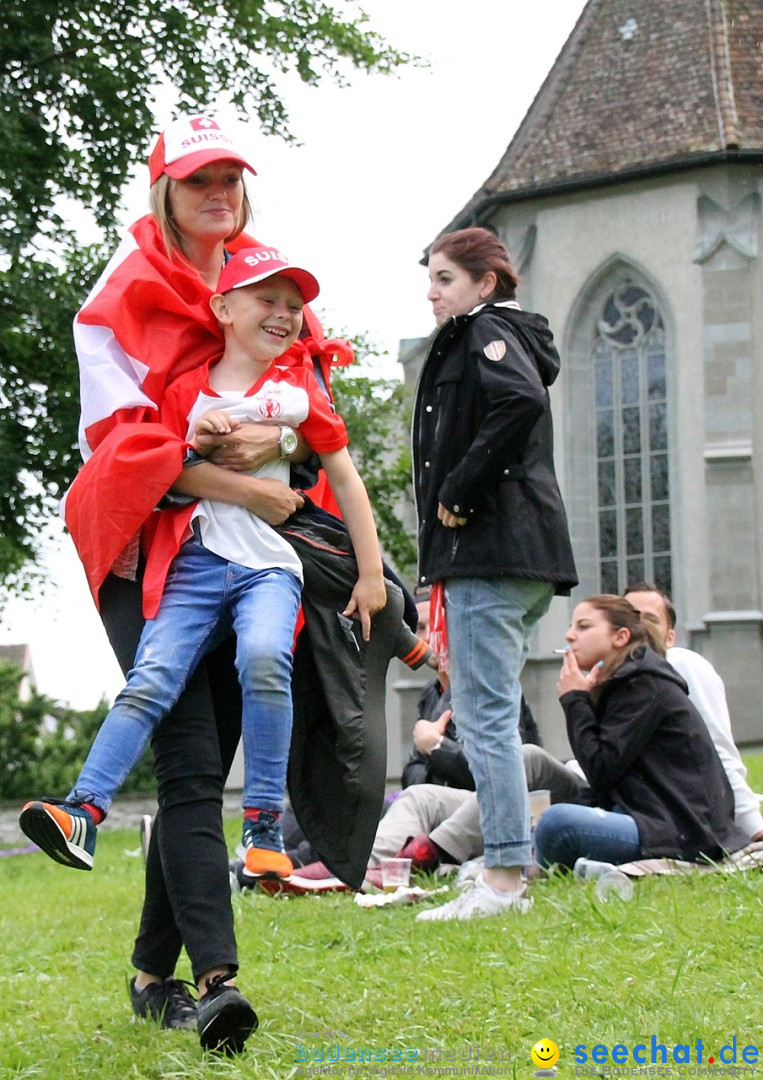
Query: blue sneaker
{"x": 265, "y": 853}
{"x": 62, "y": 830}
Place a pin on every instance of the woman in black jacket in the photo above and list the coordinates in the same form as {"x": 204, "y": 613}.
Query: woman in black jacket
{"x": 492, "y": 527}
{"x": 657, "y": 784}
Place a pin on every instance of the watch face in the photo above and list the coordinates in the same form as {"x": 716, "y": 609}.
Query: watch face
{"x": 288, "y": 441}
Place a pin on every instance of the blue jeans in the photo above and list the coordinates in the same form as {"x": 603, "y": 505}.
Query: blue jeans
{"x": 567, "y": 832}
{"x": 205, "y": 599}
{"x": 490, "y": 622}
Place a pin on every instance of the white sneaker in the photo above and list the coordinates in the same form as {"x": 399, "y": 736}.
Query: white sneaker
{"x": 469, "y": 870}
{"x": 477, "y": 900}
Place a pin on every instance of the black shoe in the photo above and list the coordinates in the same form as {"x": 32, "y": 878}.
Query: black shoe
{"x": 225, "y": 1018}
{"x": 169, "y": 1003}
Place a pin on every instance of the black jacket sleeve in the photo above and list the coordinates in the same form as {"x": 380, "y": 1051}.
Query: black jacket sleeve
{"x": 607, "y": 745}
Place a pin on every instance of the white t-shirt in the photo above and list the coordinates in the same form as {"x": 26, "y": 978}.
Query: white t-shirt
{"x": 285, "y": 396}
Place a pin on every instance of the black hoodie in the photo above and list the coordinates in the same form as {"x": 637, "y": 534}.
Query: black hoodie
{"x": 645, "y": 749}
{"x": 483, "y": 447}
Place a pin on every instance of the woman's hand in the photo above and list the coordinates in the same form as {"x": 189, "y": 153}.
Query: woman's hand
{"x": 449, "y": 520}
{"x": 572, "y": 678}
{"x": 271, "y": 500}
{"x": 248, "y": 447}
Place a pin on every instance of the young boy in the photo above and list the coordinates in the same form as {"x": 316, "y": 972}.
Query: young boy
{"x": 218, "y": 569}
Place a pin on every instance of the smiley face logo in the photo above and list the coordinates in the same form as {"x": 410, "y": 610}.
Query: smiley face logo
{"x": 545, "y": 1054}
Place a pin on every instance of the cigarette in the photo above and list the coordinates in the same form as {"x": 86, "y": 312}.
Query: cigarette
{"x": 561, "y": 652}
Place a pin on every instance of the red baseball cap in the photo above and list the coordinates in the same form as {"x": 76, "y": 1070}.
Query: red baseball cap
{"x": 251, "y": 265}
{"x": 190, "y": 142}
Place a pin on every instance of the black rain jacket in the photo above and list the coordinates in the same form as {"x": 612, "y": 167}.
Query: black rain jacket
{"x": 644, "y": 748}
{"x": 483, "y": 447}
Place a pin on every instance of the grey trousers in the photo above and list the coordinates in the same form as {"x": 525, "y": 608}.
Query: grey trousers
{"x": 450, "y": 817}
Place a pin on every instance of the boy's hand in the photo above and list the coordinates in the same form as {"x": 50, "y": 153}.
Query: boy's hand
{"x": 368, "y": 597}
{"x": 214, "y": 422}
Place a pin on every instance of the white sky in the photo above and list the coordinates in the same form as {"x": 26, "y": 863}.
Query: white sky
{"x": 384, "y": 166}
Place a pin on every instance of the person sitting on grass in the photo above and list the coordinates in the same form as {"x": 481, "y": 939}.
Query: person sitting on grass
{"x": 215, "y": 568}
{"x": 658, "y": 788}
{"x": 707, "y": 694}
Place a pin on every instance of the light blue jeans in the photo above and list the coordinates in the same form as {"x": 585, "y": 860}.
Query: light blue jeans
{"x": 567, "y": 832}
{"x": 490, "y": 622}
{"x": 205, "y": 599}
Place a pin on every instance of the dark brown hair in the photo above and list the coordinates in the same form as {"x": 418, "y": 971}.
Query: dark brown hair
{"x": 478, "y": 251}
{"x": 621, "y": 614}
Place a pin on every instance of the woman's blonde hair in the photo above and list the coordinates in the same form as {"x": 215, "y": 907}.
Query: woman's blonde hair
{"x": 159, "y": 204}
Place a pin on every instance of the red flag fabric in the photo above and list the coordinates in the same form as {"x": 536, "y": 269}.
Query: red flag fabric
{"x": 438, "y": 626}
{"x": 146, "y": 321}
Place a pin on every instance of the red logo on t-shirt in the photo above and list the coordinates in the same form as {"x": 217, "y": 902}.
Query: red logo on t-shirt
{"x": 270, "y": 407}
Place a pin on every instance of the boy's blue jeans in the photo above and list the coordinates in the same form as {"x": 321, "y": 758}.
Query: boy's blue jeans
{"x": 205, "y": 599}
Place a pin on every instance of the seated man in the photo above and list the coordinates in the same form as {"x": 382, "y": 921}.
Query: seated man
{"x": 708, "y": 694}
{"x": 438, "y": 757}
{"x": 431, "y": 823}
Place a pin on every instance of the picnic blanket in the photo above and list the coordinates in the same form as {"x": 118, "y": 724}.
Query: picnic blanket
{"x": 748, "y": 858}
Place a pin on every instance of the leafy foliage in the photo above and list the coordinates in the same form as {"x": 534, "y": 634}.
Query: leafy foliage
{"x": 39, "y": 404}
{"x": 43, "y": 743}
{"x": 377, "y": 414}
{"x": 78, "y": 82}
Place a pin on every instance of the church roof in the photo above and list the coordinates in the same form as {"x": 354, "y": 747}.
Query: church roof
{"x": 640, "y": 86}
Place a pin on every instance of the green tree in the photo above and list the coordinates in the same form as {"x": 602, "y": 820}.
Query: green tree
{"x": 19, "y": 727}
{"x": 78, "y": 82}
{"x": 44, "y": 743}
{"x": 78, "y": 79}
{"x": 377, "y": 414}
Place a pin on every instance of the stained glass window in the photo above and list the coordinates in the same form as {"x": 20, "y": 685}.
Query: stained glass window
{"x": 631, "y": 441}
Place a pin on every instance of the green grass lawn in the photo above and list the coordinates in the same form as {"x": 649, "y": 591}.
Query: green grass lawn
{"x": 680, "y": 961}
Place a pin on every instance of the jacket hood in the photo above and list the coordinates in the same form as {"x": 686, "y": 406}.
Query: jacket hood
{"x": 534, "y": 333}
{"x": 646, "y": 660}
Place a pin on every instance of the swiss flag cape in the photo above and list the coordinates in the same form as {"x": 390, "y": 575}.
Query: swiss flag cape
{"x": 146, "y": 321}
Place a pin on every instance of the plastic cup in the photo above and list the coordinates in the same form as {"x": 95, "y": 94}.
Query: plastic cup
{"x": 395, "y": 874}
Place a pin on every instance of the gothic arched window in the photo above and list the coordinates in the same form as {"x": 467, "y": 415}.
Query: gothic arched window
{"x": 631, "y": 441}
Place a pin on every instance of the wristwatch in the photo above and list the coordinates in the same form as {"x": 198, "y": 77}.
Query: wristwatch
{"x": 288, "y": 441}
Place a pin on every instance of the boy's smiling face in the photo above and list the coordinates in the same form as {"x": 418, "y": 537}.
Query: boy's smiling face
{"x": 265, "y": 318}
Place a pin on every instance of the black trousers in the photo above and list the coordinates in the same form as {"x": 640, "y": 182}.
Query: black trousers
{"x": 188, "y": 898}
